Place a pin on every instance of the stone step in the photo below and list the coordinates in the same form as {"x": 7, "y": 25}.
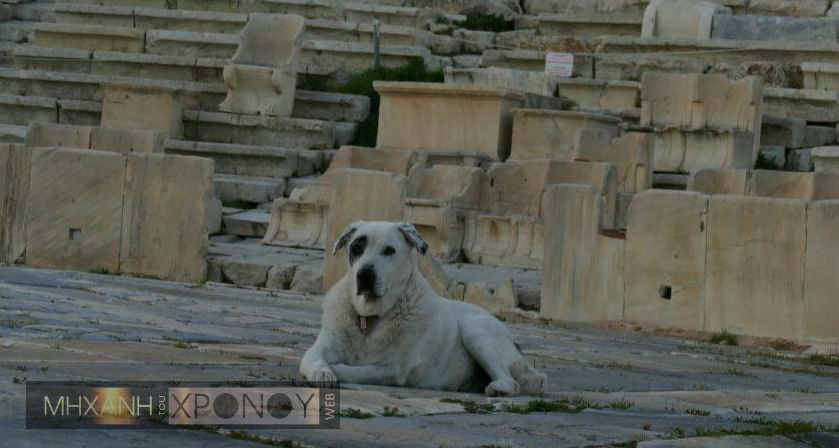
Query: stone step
{"x": 249, "y": 224}
{"x": 314, "y": 9}
{"x": 82, "y": 86}
{"x": 246, "y": 262}
{"x": 229, "y": 23}
{"x": 15, "y": 31}
{"x": 220, "y": 127}
{"x": 247, "y": 160}
{"x": 583, "y": 24}
{"x": 320, "y": 57}
{"x": 10, "y": 133}
{"x": 231, "y": 188}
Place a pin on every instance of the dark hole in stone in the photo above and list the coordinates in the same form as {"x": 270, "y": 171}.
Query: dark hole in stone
{"x": 75, "y": 234}
{"x": 665, "y": 291}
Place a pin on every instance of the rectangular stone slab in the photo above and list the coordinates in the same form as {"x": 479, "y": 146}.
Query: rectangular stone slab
{"x": 75, "y": 210}
{"x": 582, "y": 277}
{"x": 14, "y": 188}
{"x": 164, "y": 227}
{"x": 420, "y": 116}
{"x": 755, "y": 270}
{"x": 358, "y": 195}
{"x": 821, "y": 283}
{"x": 665, "y": 259}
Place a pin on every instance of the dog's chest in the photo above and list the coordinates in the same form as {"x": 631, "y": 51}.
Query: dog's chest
{"x": 379, "y": 343}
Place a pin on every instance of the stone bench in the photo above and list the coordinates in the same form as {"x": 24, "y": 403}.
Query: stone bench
{"x": 549, "y": 134}
{"x": 585, "y": 24}
{"x": 251, "y": 160}
{"x": 41, "y": 135}
{"x": 815, "y": 106}
{"x": 348, "y": 11}
{"x": 89, "y": 37}
{"x": 826, "y": 159}
{"x": 613, "y": 96}
{"x": 768, "y": 184}
{"x": 419, "y": 116}
{"x": 508, "y": 229}
{"x": 222, "y": 127}
{"x": 438, "y": 201}
{"x": 534, "y": 60}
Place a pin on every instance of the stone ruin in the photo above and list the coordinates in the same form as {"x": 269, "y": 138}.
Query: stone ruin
{"x": 682, "y": 177}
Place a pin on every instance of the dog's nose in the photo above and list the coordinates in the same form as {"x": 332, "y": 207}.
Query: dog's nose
{"x": 365, "y": 280}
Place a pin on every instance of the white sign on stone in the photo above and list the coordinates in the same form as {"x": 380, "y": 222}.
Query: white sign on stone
{"x": 561, "y": 64}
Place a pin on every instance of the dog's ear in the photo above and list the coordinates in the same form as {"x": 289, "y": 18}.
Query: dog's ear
{"x": 344, "y": 239}
{"x": 413, "y": 237}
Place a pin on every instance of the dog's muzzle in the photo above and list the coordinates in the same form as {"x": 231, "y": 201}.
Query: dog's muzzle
{"x": 365, "y": 282}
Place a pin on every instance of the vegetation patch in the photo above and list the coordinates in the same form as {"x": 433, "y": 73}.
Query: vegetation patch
{"x": 697, "y": 411}
{"x": 566, "y": 405}
{"x": 622, "y": 404}
{"x": 356, "y": 413}
{"x": 391, "y": 412}
{"x": 470, "y": 406}
{"x": 487, "y": 22}
{"x": 724, "y": 338}
{"x": 824, "y": 360}
{"x": 362, "y": 84}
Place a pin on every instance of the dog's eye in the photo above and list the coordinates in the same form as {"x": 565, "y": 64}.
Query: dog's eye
{"x": 356, "y": 250}
{"x": 388, "y": 251}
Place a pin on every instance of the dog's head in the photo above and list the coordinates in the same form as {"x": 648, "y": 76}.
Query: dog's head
{"x": 381, "y": 261}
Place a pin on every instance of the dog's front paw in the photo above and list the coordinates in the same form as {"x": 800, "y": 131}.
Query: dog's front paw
{"x": 502, "y": 387}
{"x": 324, "y": 377}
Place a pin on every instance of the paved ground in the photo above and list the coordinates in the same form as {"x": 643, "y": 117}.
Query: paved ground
{"x": 656, "y": 391}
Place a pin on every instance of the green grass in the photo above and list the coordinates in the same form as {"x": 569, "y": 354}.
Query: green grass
{"x": 724, "y": 338}
{"x": 356, "y": 413}
{"x": 566, "y": 405}
{"x": 183, "y": 345}
{"x": 470, "y": 406}
{"x": 824, "y": 360}
{"x": 697, "y": 411}
{"x": 769, "y": 428}
{"x": 362, "y": 84}
{"x": 487, "y": 22}
{"x": 388, "y": 411}
{"x": 621, "y": 404}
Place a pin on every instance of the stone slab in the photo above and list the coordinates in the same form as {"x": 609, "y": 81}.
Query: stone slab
{"x": 755, "y": 268}
{"x": 128, "y": 107}
{"x": 665, "y": 259}
{"x": 582, "y": 277}
{"x": 419, "y": 116}
{"x": 164, "y": 227}
{"x": 14, "y": 190}
{"x": 820, "y": 283}
{"x": 826, "y": 158}
{"x": 757, "y": 27}
{"x": 549, "y": 134}
{"x": 74, "y": 213}
{"x": 716, "y": 181}
{"x": 681, "y": 18}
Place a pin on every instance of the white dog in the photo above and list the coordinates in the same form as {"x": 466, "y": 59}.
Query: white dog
{"x": 384, "y": 324}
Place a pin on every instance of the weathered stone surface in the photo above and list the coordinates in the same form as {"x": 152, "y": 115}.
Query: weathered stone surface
{"x": 14, "y": 190}
{"x": 419, "y": 116}
{"x": 826, "y": 158}
{"x": 774, "y": 156}
{"x": 820, "y": 282}
{"x": 242, "y": 273}
{"x": 257, "y": 190}
{"x": 164, "y": 228}
{"x": 719, "y": 181}
{"x": 249, "y": 224}
{"x": 358, "y": 195}
{"x": 786, "y": 132}
{"x": 819, "y": 136}
{"x": 818, "y": 106}
{"x": 681, "y": 18}
{"x": 127, "y": 107}
{"x": 474, "y": 41}
{"x": 614, "y": 96}
{"x": 688, "y": 151}
{"x": 798, "y": 8}
{"x": 255, "y": 130}
{"x": 280, "y": 276}
{"x": 800, "y": 160}
{"x": 94, "y": 137}
{"x": 607, "y": 8}
{"x": 439, "y": 198}
{"x": 632, "y": 155}
{"x": 261, "y": 76}
{"x": 549, "y": 134}
{"x": 23, "y": 110}
{"x": 701, "y": 101}
{"x": 755, "y": 27}
{"x": 526, "y": 81}
{"x": 665, "y": 259}
{"x": 780, "y": 184}
{"x": 307, "y": 280}
{"x": 75, "y": 206}
{"x": 533, "y": 60}
{"x": 820, "y": 76}
{"x": 582, "y": 278}
{"x": 89, "y": 37}
{"x": 755, "y": 266}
